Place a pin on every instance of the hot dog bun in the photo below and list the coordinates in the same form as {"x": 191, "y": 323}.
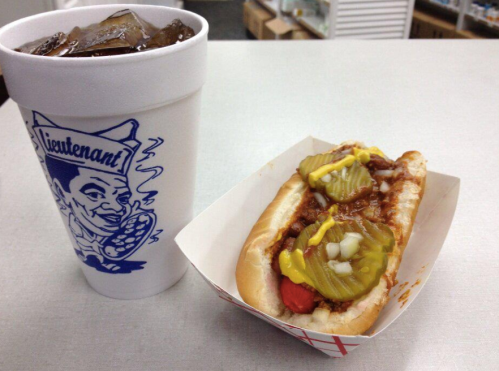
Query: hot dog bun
{"x": 258, "y": 283}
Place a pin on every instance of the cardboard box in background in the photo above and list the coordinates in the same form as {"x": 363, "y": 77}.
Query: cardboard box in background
{"x": 278, "y": 29}
{"x": 248, "y": 5}
{"x": 254, "y": 18}
{"x": 302, "y": 35}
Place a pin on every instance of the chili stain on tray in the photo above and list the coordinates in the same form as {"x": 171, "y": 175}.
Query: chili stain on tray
{"x": 418, "y": 281}
{"x": 422, "y": 269}
{"x": 401, "y": 287}
{"x": 404, "y": 297}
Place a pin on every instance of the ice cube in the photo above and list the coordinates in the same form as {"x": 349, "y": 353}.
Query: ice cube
{"x": 122, "y": 33}
{"x": 118, "y": 34}
{"x": 175, "y": 32}
{"x": 44, "y": 46}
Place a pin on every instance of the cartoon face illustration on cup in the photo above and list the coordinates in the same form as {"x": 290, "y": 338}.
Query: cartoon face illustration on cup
{"x": 99, "y": 201}
{"x": 89, "y": 176}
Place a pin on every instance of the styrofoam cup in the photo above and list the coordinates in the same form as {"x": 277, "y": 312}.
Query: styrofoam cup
{"x": 116, "y": 138}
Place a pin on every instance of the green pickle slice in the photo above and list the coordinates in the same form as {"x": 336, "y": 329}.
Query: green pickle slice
{"x": 312, "y": 163}
{"x": 356, "y": 183}
{"x": 368, "y": 264}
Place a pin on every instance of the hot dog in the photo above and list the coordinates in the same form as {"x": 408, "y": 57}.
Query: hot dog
{"x": 325, "y": 253}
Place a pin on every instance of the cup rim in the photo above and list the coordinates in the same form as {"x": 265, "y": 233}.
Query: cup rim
{"x": 113, "y": 59}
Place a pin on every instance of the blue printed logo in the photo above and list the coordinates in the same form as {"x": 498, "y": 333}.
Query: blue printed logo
{"x": 88, "y": 173}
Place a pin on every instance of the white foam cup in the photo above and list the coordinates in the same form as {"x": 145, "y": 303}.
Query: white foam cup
{"x": 116, "y": 138}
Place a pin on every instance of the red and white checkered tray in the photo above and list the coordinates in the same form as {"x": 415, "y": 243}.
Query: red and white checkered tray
{"x": 213, "y": 240}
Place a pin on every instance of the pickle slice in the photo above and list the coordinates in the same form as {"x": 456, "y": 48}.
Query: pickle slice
{"x": 350, "y": 184}
{"x": 368, "y": 264}
{"x": 312, "y": 163}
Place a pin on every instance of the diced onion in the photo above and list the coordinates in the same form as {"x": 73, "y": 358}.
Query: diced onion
{"x": 320, "y": 199}
{"x": 384, "y": 172}
{"x": 332, "y": 249}
{"x": 346, "y": 151}
{"x": 334, "y": 173}
{"x": 343, "y": 268}
{"x": 332, "y": 263}
{"x": 349, "y": 247}
{"x": 384, "y": 187}
{"x": 326, "y": 178}
{"x": 355, "y": 235}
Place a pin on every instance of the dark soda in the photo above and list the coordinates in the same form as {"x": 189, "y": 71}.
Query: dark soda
{"x": 123, "y": 32}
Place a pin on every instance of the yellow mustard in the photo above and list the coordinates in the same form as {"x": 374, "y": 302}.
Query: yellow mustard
{"x": 376, "y": 151}
{"x": 365, "y": 153}
{"x": 293, "y": 265}
{"x": 327, "y": 224}
{"x": 317, "y": 237}
{"x": 362, "y": 155}
{"x": 314, "y": 176}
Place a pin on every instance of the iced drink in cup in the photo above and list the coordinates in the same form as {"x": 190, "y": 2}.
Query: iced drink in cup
{"x": 113, "y": 120}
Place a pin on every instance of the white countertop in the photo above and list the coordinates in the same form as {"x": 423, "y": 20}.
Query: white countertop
{"x": 440, "y": 97}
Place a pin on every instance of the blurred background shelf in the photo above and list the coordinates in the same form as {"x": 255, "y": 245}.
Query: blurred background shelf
{"x": 340, "y": 19}
{"x": 494, "y": 26}
{"x": 438, "y": 4}
{"x": 454, "y": 19}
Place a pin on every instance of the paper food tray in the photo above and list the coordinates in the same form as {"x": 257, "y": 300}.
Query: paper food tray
{"x": 213, "y": 241}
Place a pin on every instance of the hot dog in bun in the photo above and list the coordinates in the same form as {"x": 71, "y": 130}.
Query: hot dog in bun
{"x": 325, "y": 253}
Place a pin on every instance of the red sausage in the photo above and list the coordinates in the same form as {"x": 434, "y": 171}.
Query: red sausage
{"x": 296, "y": 297}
